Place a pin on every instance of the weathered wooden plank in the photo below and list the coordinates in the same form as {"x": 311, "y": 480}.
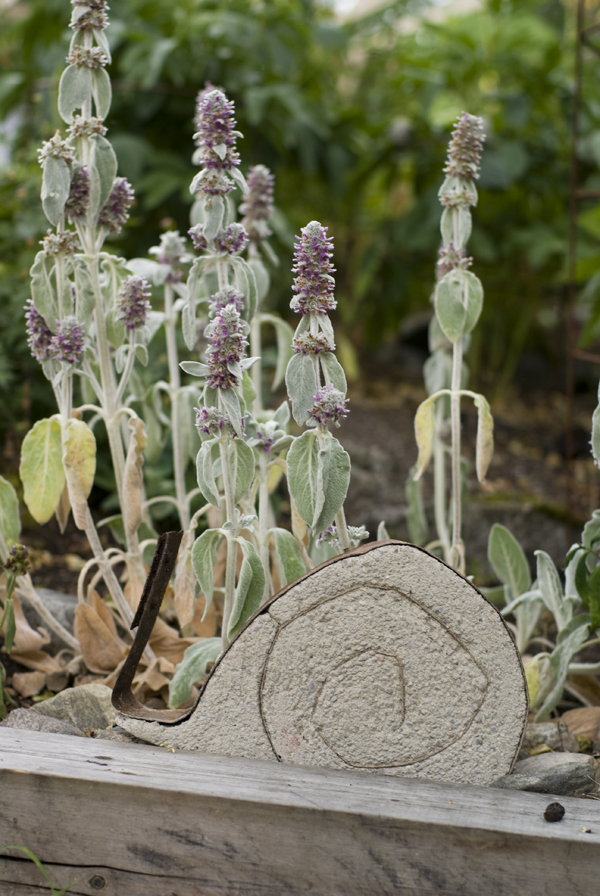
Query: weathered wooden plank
{"x": 151, "y": 823}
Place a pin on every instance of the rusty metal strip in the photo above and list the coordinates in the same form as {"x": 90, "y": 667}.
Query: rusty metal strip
{"x": 146, "y": 614}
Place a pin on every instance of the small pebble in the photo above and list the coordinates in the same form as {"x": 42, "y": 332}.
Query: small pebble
{"x": 554, "y": 812}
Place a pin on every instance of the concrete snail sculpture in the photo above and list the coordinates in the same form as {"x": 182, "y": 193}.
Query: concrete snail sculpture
{"x": 383, "y": 660}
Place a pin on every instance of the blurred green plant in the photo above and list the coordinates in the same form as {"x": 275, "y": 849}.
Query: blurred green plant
{"x": 352, "y": 117}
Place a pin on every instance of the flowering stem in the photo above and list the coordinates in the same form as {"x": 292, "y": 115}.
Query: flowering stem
{"x": 128, "y": 370}
{"x": 457, "y": 550}
{"x": 175, "y": 384}
{"x": 256, "y": 372}
{"x": 263, "y": 521}
{"x": 230, "y": 535}
{"x": 342, "y": 530}
{"x": 439, "y": 484}
{"x": 26, "y": 589}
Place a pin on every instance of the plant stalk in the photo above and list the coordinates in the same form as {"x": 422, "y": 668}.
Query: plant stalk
{"x": 175, "y": 383}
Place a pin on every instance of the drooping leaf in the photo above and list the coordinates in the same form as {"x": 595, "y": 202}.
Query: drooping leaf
{"x": 204, "y": 558}
{"x": 415, "y": 516}
{"x": 424, "y": 434}
{"x": 41, "y": 469}
{"x": 79, "y": 459}
{"x": 10, "y": 520}
{"x": 208, "y": 454}
{"x": 301, "y": 384}
{"x": 133, "y": 479}
{"x": 185, "y": 581}
{"x": 284, "y": 335}
{"x": 249, "y": 590}
{"x": 551, "y": 589}
{"x": 485, "y": 437}
{"x": 192, "y": 668}
{"x": 290, "y": 563}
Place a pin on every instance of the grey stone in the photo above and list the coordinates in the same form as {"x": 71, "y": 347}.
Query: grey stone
{"x": 62, "y": 607}
{"x": 33, "y": 721}
{"x": 386, "y": 661}
{"x": 86, "y": 707}
{"x": 555, "y": 735}
{"x": 115, "y": 734}
{"x": 565, "y": 774}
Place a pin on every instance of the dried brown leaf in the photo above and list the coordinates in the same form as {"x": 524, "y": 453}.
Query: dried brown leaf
{"x": 28, "y": 684}
{"x": 185, "y": 581}
{"x": 102, "y": 651}
{"x": 26, "y": 638}
{"x": 208, "y": 628}
{"x": 133, "y": 479}
{"x": 63, "y": 510}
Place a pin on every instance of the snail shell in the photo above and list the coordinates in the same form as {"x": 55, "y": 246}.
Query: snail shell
{"x": 383, "y": 660}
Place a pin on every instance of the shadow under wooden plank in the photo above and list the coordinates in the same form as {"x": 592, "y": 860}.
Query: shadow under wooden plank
{"x": 133, "y": 820}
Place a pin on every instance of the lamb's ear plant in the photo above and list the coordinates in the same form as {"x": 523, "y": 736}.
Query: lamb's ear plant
{"x": 574, "y": 606}
{"x": 318, "y": 467}
{"x": 89, "y": 320}
{"x": 458, "y": 302}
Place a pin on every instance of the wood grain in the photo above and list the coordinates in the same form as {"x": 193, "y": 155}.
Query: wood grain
{"x": 140, "y": 821}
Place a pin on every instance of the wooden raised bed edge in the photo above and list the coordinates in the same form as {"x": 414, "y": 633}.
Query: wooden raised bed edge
{"x": 135, "y": 820}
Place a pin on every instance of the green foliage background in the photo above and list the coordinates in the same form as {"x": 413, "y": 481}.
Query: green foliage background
{"x": 354, "y": 119}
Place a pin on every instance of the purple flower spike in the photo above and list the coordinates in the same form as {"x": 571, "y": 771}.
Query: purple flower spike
{"x": 210, "y": 421}
{"x": 314, "y": 284}
{"x": 18, "y": 561}
{"x": 216, "y": 136}
{"x": 115, "y": 211}
{"x": 466, "y": 145}
{"x": 77, "y": 203}
{"x": 225, "y": 297}
{"x": 257, "y": 207}
{"x": 67, "y": 342}
{"x": 329, "y": 406}
{"x": 228, "y": 343}
{"x": 232, "y": 240}
{"x": 133, "y": 302}
{"x": 197, "y": 237}
{"x": 39, "y": 336}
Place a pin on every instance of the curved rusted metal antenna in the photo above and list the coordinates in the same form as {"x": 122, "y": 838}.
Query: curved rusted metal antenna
{"x": 146, "y": 614}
